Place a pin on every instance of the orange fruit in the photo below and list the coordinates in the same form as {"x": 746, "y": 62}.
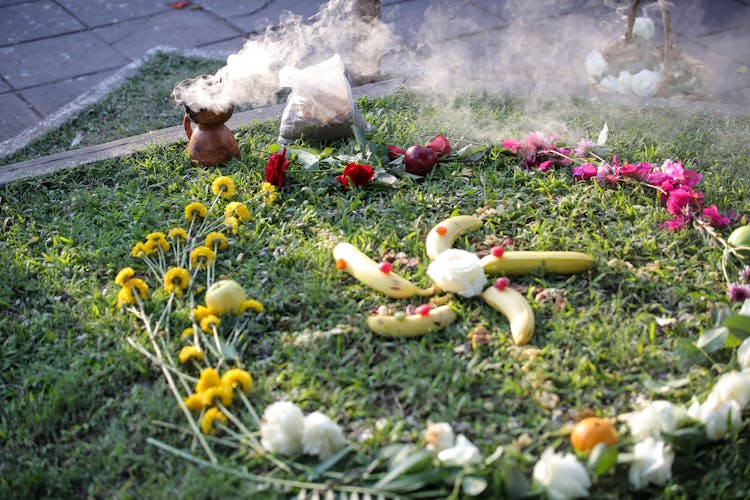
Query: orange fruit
{"x": 591, "y": 431}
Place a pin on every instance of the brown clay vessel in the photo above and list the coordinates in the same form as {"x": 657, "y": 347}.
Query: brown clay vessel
{"x": 211, "y": 142}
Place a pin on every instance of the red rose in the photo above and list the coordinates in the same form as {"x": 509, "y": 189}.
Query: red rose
{"x": 275, "y": 168}
{"x": 394, "y": 152}
{"x": 440, "y": 145}
{"x": 356, "y": 173}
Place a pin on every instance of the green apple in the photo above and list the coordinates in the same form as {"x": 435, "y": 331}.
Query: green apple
{"x": 225, "y": 296}
{"x": 740, "y": 237}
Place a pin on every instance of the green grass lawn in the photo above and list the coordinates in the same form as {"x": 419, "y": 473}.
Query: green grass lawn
{"x": 79, "y": 403}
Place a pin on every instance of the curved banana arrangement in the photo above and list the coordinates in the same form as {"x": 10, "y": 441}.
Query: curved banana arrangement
{"x": 412, "y": 325}
{"x": 516, "y": 308}
{"x": 368, "y": 272}
{"x": 526, "y": 262}
{"x": 443, "y": 235}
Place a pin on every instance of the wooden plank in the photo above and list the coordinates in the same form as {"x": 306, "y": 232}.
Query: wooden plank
{"x": 122, "y": 147}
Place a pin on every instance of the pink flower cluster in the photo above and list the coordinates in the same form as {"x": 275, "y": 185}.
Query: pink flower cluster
{"x": 739, "y": 292}
{"x": 538, "y": 151}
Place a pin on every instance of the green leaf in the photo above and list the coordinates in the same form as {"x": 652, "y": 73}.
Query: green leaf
{"x": 329, "y": 462}
{"x": 359, "y": 135}
{"x": 603, "y": 458}
{"x": 713, "y": 339}
{"x": 306, "y": 158}
{"x": 686, "y": 440}
{"x": 739, "y": 329}
{"x": 412, "y": 482}
{"x": 402, "y": 465}
{"x": 228, "y": 351}
{"x": 516, "y": 483}
{"x": 687, "y": 354}
{"x": 473, "y": 485}
{"x": 472, "y": 152}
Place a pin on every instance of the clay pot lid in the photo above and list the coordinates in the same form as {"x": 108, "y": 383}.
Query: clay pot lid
{"x": 209, "y": 117}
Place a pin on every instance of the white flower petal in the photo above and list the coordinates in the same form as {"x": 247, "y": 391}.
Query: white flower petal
{"x": 562, "y": 476}
{"x": 321, "y": 436}
{"x": 743, "y": 354}
{"x": 439, "y": 436}
{"x": 595, "y": 64}
{"x": 458, "y": 271}
{"x": 735, "y": 386}
{"x": 645, "y": 83}
{"x": 463, "y": 453}
{"x": 281, "y": 428}
{"x": 644, "y": 27}
{"x": 652, "y": 463}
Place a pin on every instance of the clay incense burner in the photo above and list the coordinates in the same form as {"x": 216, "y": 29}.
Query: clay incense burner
{"x": 211, "y": 142}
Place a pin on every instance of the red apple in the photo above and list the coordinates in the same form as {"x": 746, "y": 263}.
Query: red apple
{"x": 419, "y": 160}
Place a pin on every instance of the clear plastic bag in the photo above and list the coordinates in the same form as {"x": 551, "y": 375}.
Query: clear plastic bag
{"x": 320, "y": 105}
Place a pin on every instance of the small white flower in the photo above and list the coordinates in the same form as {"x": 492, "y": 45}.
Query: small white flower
{"x": 645, "y": 83}
{"x": 562, "y": 476}
{"x": 321, "y": 436}
{"x": 624, "y": 82}
{"x": 610, "y": 83}
{"x": 733, "y": 386}
{"x": 743, "y": 354}
{"x": 652, "y": 463}
{"x": 439, "y": 436}
{"x": 717, "y": 416}
{"x": 458, "y": 271}
{"x": 644, "y": 27}
{"x": 281, "y": 428}
{"x": 595, "y": 64}
{"x": 464, "y": 452}
{"x": 655, "y": 418}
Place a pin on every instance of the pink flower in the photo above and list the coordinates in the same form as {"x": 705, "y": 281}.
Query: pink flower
{"x": 745, "y": 274}
{"x": 440, "y": 146}
{"x": 394, "y": 152}
{"x": 605, "y": 173}
{"x": 275, "y": 168}
{"x": 511, "y": 145}
{"x": 584, "y": 147}
{"x": 637, "y": 172}
{"x": 680, "y": 176}
{"x": 545, "y": 166}
{"x": 714, "y": 217}
{"x": 738, "y": 293}
{"x": 675, "y": 224}
{"x": 584, "y": 172}
{"x": 356, "y": 173}
{"x": 684, "y": 203}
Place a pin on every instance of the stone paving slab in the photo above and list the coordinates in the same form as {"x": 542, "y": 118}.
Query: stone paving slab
{"x": 232, "y": 8}
{"x": 175, "y": 28}
{"x": 55, "y": 59}
{"x": 4, "y": 87}
{"x": 271, "y": 14}
{"x": 16, "y": 114}
{"x": 97, "y": 13}
{"x": 49, "y": 98}
{"x": 34, "y": 20}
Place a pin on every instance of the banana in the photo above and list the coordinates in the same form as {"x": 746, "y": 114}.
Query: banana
{"x": 368, "y": 272}
{"x": 443, "y": 235}
{"x": 413, "y": 325}
{"x": 516, "y": 308}
{"x": 527, "y": 262}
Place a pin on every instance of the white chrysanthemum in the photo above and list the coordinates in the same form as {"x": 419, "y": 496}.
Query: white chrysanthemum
{"x": 625, "y": 82}
{"x": 644, "y": 27}
{"x": 743, "y": 354}
{"x": 281, "y": 428}
{"x": 321, "y": 436}
{"x": 562, "y": 476}
{"x": 717, "y": 416}
{"x": 645, "y": 83}
{"x": 733, "y": 386}
{"x": 596, "y": 65}
{"x": 652, "y": 463}
{"x": 610, "y": 83}
{"x": 655, "y": 418}
{"x": 458, "y": 271}
{"x": 439, "y": 436}
{"x": 464, "y": 452}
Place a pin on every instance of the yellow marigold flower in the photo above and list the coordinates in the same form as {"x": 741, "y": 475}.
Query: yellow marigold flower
{"x": 124, "y": 275}
{"x": 222, "y": 392}
{"x": 209, "y": 418}
{"x": 138, "y": 251}
{"x": 189, "y": 352}
{"x": 269, "y": 192}
{"x": 186, "y": 333}
{"x": 209, "y": 378}
{"x": 125, "y": 296}
{"x": 139, "y": 285}
{"x": 223, "y": 186}
{"x": 151, "y": 247}
{"x": 178, "y": 233}
{"x": 156, "y": 235}
{"x": 218, "y": 239}
{"x": 176, "y": 280}
{"x": 251, "y": 304}
{"x": 237, "y": 209}
{"x": 208, "y": 322}
{"x": 201, "y": 257}
{"x": 200, "y": 312}
{"x": 237, "y": 376}
{"x": 232, "y": 223}
{"x": 194, "y": 402}
{"x": 195, "y": 209}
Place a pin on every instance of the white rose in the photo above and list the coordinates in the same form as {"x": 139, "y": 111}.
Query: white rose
{"x": 655, "y": 418}
{"x": 652, "y": 463}
{"x": 610, "y": 83}
{"x": 743, "y": 354}
{"x": 644, "y": 27}
{"x": 321, "y": 436}
{"x": 595, "y": 64}
{"x": 439, "y": 436}
{"x": 645, "y": 83}
{"x": 717, "y": 416}
{"x": 462, "y": 453}
{"x": 733, "y": 386}
{"x": 562, "y": 476}
{"x": 458, "y": 271}
{"x": 281, "y": 428}
{"x": 624, "y": 82}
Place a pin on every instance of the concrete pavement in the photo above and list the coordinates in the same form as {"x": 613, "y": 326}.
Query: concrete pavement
{"x": 54, "y": 52}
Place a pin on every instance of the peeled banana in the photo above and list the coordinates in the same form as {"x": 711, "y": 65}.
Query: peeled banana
{"x": 369, "y": 272}
{"x": 443, "y": 235}
{"x": 527, "y": 262}
{"x": 412, "y": 325}
{"x": 516, "y": 308}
